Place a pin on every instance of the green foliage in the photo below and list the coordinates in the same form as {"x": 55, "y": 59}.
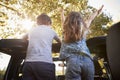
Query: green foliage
{"x": 10, "y": 20}
{"x": 18, "y": 10}
{"x": 99, "y": 26}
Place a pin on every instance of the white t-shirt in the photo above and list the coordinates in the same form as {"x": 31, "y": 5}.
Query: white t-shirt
{"x": 40, "y": 44}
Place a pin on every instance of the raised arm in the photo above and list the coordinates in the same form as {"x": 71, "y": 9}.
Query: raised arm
{"x": 92, "y": 16}
{"x": 62, "y": 16}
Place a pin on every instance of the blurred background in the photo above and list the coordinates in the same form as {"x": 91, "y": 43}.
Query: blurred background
{"x": 17, "y": 17}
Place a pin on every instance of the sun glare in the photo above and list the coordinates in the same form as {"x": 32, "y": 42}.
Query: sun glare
{"x": 27, "y": 24}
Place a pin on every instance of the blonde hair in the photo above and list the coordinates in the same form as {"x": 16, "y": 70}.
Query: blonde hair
{"x": 44, "y": 19}
{"x": 73, "y": 27}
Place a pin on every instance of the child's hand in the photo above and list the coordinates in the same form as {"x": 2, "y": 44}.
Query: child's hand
{"x": 99, "y": 10}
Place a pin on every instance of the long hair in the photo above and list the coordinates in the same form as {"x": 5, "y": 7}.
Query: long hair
{"x": 73, "y": 27}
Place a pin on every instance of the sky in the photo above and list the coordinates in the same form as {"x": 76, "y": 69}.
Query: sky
{"x": 111, "y": 7}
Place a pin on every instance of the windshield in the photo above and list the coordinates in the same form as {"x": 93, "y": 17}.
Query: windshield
{"x": 4, "y": 61}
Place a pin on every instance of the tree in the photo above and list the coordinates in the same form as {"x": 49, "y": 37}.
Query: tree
{"x": 10, "y": 18}
{"x": 100, "y": 24}
{"x": 29, "y": 9}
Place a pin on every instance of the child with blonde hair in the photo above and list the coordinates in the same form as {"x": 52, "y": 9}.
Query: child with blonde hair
{"x": 74, "y": 49}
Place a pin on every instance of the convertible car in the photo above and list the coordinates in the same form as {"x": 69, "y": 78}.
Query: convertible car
{"x": 16, "y": 48}
{"x": 104, "y": 49}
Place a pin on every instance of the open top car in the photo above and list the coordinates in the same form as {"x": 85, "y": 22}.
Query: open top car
{"x": 16, "y": 48}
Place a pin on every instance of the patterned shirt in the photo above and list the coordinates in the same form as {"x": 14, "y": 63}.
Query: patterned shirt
{"x": 68, "y": 49}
